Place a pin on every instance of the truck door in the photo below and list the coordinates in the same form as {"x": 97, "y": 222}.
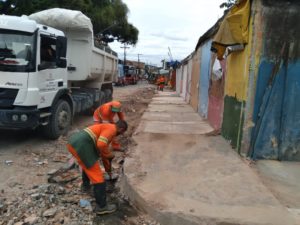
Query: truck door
{"x": 51, "y": 77}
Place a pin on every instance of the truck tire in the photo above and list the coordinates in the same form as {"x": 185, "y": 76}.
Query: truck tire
{"x": 108, "y": 95}
{"x": 59, "y": 121}
{"x": 102, "y": 99}
{"x": 97, "y": 104}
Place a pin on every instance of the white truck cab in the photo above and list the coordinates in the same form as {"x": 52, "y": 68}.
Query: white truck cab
{"x": 46, "y": 75}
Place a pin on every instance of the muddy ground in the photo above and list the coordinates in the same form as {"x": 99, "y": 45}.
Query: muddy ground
{"x": 26, "y": 159}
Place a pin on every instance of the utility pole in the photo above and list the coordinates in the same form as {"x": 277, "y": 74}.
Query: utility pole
{"x": 124, "y": 63}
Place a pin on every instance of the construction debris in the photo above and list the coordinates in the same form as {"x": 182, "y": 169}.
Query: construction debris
{"x": 60, "y": 201}
{"x": 41, "y": 204}
{"x": 8, "y": 162}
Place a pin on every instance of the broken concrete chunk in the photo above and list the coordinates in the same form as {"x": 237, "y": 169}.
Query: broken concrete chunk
{"x": 19, "y": 223}
{"x": 9, "y": 162}
{"x": 50, "y": 212}
{"x": 51, "y": 172}
{"x": 36, "y": 196}
{"x": 31, "y": 219}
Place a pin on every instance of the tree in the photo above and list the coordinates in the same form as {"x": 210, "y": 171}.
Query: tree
{"x": 227, "y": 4}
{"x": 111, "y": 21}
{"x": 109, "y": 17}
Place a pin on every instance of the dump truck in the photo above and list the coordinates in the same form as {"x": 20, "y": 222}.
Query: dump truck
{"x": 50, "y": 70}
{"x": 131, "y": 75}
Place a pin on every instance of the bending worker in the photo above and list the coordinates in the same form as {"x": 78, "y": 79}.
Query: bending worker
{"x": 106, "y": 113}
{"x": 87, "y": 146}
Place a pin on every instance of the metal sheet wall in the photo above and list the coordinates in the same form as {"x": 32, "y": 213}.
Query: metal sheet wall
{"x": 195, "y": 80}
{"x": 204, "y": 78}
{"x": 216, "y": 97}
{"x": 189, "y": 80}
{"x": 276, "y": 113}
{"x": 178, "y": 80}
{"x": 184, "y": 81}
{"x": 235, "y": 96}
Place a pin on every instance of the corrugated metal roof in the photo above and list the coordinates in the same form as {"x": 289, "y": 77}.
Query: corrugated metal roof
{"x": 210, "y": 32}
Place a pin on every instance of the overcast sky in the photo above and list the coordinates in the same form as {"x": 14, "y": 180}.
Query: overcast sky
{"x": 177, "y": 24}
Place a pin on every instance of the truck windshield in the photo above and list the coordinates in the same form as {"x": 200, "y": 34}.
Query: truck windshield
{"x": 129, "y": 70}
{"x": 16, "y": 51}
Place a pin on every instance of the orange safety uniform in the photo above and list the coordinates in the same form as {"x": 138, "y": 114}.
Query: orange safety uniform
{"x": 157, "y": 81}
{"x": 161, "y": 83}
{"x": 88, "y": 145}
{"x": 106, "y": 113}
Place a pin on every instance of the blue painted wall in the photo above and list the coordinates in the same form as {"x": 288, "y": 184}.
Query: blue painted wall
{"x": 267, "y": 112}
{"x": 204, "y": 78}
{"x": 276, "y": 113}
{"x": 290, "y": 130}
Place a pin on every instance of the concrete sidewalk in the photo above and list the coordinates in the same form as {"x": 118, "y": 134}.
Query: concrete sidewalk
{"x": 182, "y": 177}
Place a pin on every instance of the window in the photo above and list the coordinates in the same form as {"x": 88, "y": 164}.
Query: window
{"x": 48, "y": 52}
{"x": 16, "y": 51}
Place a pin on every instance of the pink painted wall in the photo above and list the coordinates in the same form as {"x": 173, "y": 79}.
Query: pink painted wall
{"x": 215, "y": 98}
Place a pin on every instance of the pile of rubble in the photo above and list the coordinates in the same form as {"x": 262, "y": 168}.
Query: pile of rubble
{"x": 46, "y": 204}
{"x": 64, "y": 203}
{"x": 60, "y": 201}
{"x": 134, "y": 107}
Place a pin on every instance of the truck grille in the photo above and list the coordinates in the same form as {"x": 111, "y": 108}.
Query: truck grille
{"x": 7, "y": 97}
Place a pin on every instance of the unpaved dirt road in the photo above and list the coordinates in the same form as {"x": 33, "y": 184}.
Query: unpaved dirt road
{"x": 26, "y": 158}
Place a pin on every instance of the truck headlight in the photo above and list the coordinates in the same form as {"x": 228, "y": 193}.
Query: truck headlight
{"x": 15, "y": 117}
{"x": 24, "y": 117}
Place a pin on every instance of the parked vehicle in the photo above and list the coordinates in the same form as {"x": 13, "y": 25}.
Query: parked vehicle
{"x": 121, "y": 78}
{"x": 50, "y": 70}
{"x": 131, "y": 75}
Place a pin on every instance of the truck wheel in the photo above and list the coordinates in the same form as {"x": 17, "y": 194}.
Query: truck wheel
{"x": 100, "y": 102}
{"x": 108, "y": 95}
{"x": 60, "y": 120}
{"x": 102, "y": 98}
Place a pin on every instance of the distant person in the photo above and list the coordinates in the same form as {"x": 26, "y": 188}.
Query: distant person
{"x": 87, "y": 146}
{"x": 106, "y": 114}
{"x": 161, "y": 83}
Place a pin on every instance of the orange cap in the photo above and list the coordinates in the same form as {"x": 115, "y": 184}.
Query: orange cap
{"x": 116, "y": 106}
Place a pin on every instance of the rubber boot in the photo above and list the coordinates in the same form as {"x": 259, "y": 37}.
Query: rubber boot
{"x": 100, "y": 195}
{"x": 86, "y": 186}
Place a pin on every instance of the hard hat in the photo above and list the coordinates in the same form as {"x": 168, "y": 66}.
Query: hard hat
{"x": 116, "y": 106}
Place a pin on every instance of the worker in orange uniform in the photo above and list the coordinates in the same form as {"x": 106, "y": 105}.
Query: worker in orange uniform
{"x": 87, "y": 146}
{"x": 106, "y": 113}
{"x": 161, "y": 83}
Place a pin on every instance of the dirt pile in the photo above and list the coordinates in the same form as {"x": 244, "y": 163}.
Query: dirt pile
{"x": 134, "y": 106}
{"x": 46, "y": 204}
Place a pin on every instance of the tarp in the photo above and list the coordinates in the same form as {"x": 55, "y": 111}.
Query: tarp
{"x": 63, "y": 19}
{"x": 163, "y": 72}
{"x": 234, "y": 28}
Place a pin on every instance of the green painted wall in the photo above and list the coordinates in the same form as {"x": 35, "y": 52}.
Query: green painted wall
{"x": 233, "y": 119}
